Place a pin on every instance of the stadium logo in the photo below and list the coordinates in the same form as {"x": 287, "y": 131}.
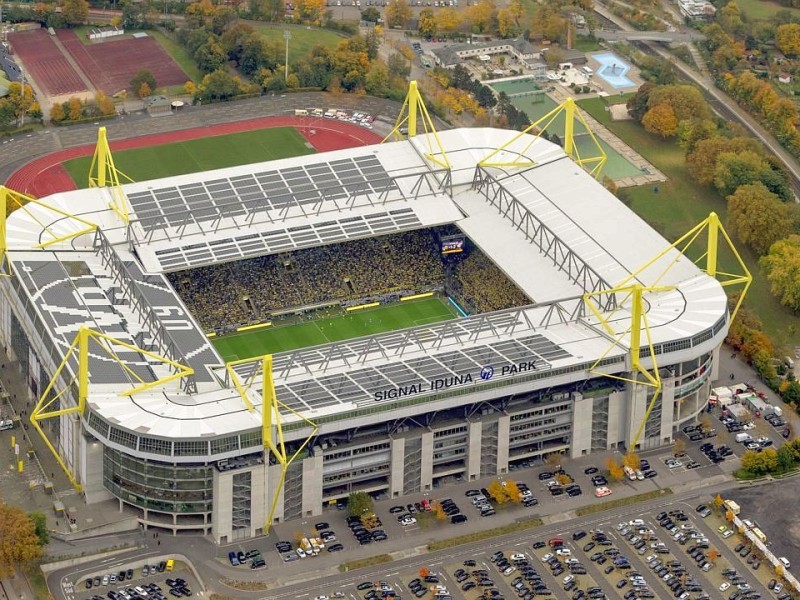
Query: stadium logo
{"x": 487, "y": 372}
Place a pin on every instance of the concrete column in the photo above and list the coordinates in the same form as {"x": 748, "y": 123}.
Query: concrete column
{"x": 259, "y": 506}
{"x": 426, "y": 470}
{"x": 222, "y": 486}
{"x": 637, "y": 408}
{"x": 312, "y": 485}
{"x": 273, "y": 479}
{"x": 617, "y": 402}
{"x": 582, "y": 409}
{"x": 503, "y": 440}
{"x": 398, "y": 463}
{"x": 475, "y": 432}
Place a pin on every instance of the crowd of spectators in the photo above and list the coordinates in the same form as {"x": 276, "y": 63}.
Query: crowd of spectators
{"x": 482, "y": 286}
{"x": 251, "y": 290}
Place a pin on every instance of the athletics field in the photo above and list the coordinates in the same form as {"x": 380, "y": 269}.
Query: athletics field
{"x": 203, "y": 154}
{"x": 333, "y": 329}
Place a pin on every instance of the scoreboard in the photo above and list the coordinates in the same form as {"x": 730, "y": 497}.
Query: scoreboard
{"x": 452, "y": 244}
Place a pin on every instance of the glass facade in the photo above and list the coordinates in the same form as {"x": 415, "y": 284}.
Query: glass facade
{"x": 158, "y": 486}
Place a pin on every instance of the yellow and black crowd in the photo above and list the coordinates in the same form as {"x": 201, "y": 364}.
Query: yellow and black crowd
{"x": 251, "y": 290}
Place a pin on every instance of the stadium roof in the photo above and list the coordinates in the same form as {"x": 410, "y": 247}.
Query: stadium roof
{"x": 551, "y": 228}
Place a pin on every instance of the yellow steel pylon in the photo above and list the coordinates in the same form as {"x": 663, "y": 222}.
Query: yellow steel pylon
{"x": 714, "y": 228}
{"x": 270, "y": 415}
{"x": 80, "y": 346}
{"x": 11, "y": 200}
{"x": 635, "y": 291}
{"x": 411, "y": 113}
{"x": 650, "y": 378}
{"x": 571, "y": 112}
{"x": 104, "y": 173}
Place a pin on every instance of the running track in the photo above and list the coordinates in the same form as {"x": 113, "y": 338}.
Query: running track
{"x": 45, "y": 175}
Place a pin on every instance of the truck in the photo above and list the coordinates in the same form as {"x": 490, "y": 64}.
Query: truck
{"x": 732, "y": 506}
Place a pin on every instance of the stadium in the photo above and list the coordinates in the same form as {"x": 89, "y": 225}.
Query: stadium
{"x": 235, "y": 348}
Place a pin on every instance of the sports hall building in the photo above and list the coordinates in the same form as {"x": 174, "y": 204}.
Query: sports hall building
{"x": 396, "y": 413}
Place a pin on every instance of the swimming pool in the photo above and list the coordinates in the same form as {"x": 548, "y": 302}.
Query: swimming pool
{"x": 613, "y": 70}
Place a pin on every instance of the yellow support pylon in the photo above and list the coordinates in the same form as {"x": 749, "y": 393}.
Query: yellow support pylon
{"x": 103, "y": 172}
{"x": 634, "y": 293}
{"x": 11, "y": 200}
{"x": 412, "y": 113}
{"x": 80, "y": 347}
{"x": 714, "y": 230}
{"x": 593, "y": 164}
{"x": 270, "y": 416}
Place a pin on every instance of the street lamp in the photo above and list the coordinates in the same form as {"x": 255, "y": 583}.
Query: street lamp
{"x": 287, "y": 35}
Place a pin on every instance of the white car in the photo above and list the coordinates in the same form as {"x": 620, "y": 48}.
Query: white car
{"x": 785, "y": 562}
{"x": 321, "y": 598}
{"x": 727, "y": 533}
{"x": 518, "y": 556}
{"x": 547, "y": 557}
{"x": 778, "y": 588}
{"x": 408, "y": 521}
{"x": 564, "y": 552}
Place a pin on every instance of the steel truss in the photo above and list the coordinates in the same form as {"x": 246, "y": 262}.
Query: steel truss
{"x": 543, "y": 237}
{"x": 162, "y": 338}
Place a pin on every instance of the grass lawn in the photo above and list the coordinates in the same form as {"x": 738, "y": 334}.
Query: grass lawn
{"x": 587, "y": 44}
{"x": 303, "y": 38}
{"x": 332, "y": 329}
{"x": 763, "y": 10}
{"x": 203, "y": 154}
{"x": 680, "y": 204}
{"x": 178, "y": 53}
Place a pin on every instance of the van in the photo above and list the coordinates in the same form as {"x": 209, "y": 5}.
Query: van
{"x": 743, "y": 437}
{"x": 170, "y": 565}
{"x": 630, "y": 473}
{"x": 555, "y": 542}
{"x": 300, "y": 112}
{"x": 6, "y": 424}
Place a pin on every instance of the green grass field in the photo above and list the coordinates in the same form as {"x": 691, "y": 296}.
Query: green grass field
{"x": 332, "y": 329}
{"x": 203, "y": 154}
{"x": 303, "y": 40}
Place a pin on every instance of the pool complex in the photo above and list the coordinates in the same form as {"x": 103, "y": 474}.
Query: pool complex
{"x": 613, "y": 70}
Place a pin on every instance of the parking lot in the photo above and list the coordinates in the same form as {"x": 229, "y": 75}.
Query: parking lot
{"x": 132, "y": 582}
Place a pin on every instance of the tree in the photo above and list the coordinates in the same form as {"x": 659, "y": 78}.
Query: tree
{"x": 359, "y": 504}
{"x": 57, "y": 113}
{"x": 210, "y": 56}
{"x": 712, "y": 555}
{"x": 513, "y": 491}
{"x": 735, "y": 169}
{"x": 74, "y": 109}
{"x": 787, "y": 38}
{"x": 661, "y": 120}
{"x": 40, "y": 526}
{"x": 497, "y": 492}
{"x": 637, "y": 104}
{"x": 631, "y": 460}
{"x": 222, "y": 18}
{"x": 18, "y": 540}
{"x": 615, "y": 470}
{"x": 507, "y": 23}
{"x": 427, "y": 22}
{"x": 678, "y": 446}
{"x": 267, "y": 10}
{"x": 144, "y": 90}
{"x": 424, "y": 572}
{"x": 481, "y": 15}
{"x": 398, "y": 66}
{"x": 758, "y": 217}
{"x": 554, "y": 460}
{"x": 75, "y": 12}
{"x": 143, "y": 76}
{"x": 370, "y": 14}
{"x": 309, "y": 11}
{"x": 702, "y": 161}
{"x": 692, "y": 131}
{"x": 398, "y": 13}
{"x": 760, "y": 463}
{"x": 718, "y": 501}
{"x": 377, "y": 80}
{"x": 104, "y": 104}
{"x": 448, "y": 19}
{"x": 438, "y": 510}
{"x": 686, "y": 101}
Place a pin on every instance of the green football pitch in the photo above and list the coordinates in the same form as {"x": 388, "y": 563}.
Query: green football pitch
{"x": 332, "y": 329}
{"x": 204, "y": 154}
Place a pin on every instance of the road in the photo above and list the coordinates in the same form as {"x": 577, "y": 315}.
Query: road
{"x": 722, "y": 103}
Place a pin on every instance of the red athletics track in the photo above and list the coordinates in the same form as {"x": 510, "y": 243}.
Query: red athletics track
{"x": 45, "y": 175}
